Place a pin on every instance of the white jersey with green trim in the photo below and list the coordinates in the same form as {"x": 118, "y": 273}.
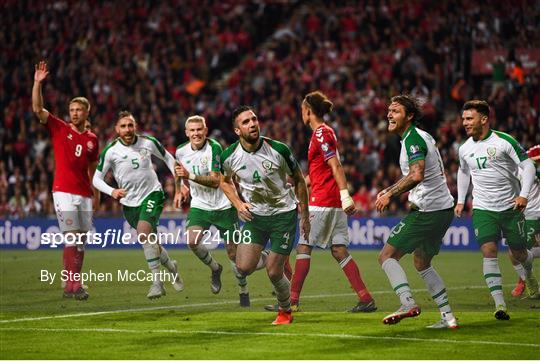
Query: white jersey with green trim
{"x": 432, "y": 194}
{"x": 493, "y": 164}
{"x": 132, "y": 167}
{"x": 262, "y": 175}
{"x": 202, "y": 162}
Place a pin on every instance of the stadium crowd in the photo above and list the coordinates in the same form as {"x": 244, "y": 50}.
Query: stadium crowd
{"x": 165, "y": 61}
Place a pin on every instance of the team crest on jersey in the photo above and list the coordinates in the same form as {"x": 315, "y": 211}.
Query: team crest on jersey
{"x": 143, "y": 152}
{"x": 204, "y": 161}
{"x": 267, "y": 165}
{"x": 325, "y": 147}
{"x": 90, "y": 145}
{"x": 491, "y": 151}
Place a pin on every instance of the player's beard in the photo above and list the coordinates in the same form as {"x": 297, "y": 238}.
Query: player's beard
{"x": 252, "y": 138}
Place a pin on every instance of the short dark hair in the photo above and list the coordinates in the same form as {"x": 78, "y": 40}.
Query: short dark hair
{"x": 318, "y": 103}
{"x": 481, "y": 106}
{"x": 123, "y": 114}
{"x": 410, "y": 104}
{"x": 236, "y": 112}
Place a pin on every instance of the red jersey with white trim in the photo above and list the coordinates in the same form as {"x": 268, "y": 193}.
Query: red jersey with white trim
{"x": 324, "y": 189}
{"x": 73, "y": 153}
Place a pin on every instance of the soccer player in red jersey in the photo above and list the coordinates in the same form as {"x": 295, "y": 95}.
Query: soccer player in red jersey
{"x": 329, "y": 205}
{"x": 76, "y": 156}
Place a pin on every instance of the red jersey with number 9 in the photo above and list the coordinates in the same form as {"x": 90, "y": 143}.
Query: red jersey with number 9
{"x": 73, "y": 153}
{"x": 324, "y": 189}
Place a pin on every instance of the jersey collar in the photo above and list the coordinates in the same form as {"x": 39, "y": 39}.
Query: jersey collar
{"x": 408, "y": 131}
{"x": 201, "y": 148}
{"x": 487, "y": 135}
{"x": 262, "y": 139}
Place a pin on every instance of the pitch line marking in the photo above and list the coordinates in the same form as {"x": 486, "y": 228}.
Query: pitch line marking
{"x": 205, "y": 304}
{"x": 281, "y": 334}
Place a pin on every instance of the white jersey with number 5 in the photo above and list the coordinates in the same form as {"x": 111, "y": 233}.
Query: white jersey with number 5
{"x": 493, "y": 163}
{"x": 262, "y": 175}
{"x": 132, "y": 167}
{"x": 202, "y": 162}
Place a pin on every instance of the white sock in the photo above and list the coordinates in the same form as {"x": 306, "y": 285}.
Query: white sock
{"x": 536, "y": 252}
{"x": 165, "y": 260}
{"x": 528, "y": 264}
{"x": 283, "y": 294}
{"x": 262, "y": 260}
{"x": 242, "y": 282}
{"x": 151, "y": 253}
{"x": 437, "y": 290}
{"x": 398, "y": 281}
{"x": 493, "y": 277}
{"x": 520, "y": 271}
{"x": 204, "y": 255}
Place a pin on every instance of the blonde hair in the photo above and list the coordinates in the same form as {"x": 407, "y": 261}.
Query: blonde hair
{"x": 195, "y": 119}
{"x": 81, "y": 100}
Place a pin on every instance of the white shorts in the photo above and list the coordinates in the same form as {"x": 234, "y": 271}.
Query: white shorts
{"x": 328, "y": 226}
{"x": 74, "y": 212}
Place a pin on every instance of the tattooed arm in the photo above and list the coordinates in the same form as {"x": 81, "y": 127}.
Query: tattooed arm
{"x": 405, "y": 184}
{"x": 212, "y": 180}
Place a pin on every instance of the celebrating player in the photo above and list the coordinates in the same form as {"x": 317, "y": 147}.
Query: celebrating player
{"x": 422, "y": 230}
{"x": 329, "y": 205}
{"x": 492, "y": 159}
{"x": 76, "y": 154}
{"x": 261, "y": 166}
{"x": 130, "y": 158}
{"x": 532, "y": 223}
{"x": 209, "y": 206}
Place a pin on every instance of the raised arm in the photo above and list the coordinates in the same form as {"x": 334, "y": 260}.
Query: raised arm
{"x": 212, "y": 180}
{"x": 40, "y": 74}
{"x": 405, "y": 184}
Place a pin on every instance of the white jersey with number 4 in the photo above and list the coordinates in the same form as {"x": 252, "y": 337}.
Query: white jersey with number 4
{"x": 432, "y": 194}
{"x": 493, "y": 164}
{"x": 201, "y": 162}
{"x": 262, "y": 175}
{"x": 132, "y": 167}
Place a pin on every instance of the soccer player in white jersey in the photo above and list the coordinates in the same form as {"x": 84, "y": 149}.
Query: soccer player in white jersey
{"x": 532, "y": 223}
{"x": 422, "y": 230}
{"x": 129, "y": 157}
{"x": 199, "y": 162}
{"x": 268, "y": 205}
{"x": 492, "y": 159}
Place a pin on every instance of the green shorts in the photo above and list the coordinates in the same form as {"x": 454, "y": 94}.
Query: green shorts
{"x": 279, "y": 228}
{"x": 489, "y": 225}
{"x": 421, "y": 230}
{"x": 149, "y": 210}
{"x": 532, "y": 228}
{"x": 226, "y": 221}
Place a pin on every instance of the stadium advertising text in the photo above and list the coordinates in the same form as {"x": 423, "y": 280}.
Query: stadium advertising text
{"x": 365, "y": 233}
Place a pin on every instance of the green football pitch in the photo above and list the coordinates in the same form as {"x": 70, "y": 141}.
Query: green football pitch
{"x": 118, "y": 322}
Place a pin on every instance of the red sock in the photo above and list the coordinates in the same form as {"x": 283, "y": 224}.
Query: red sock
{"x": 69, "y": 266}
{"x": 77, "y": 267}
{"x": 301, "y": 270}
{"x": 288, "y": 269}
{"x": 353, "y": 274}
